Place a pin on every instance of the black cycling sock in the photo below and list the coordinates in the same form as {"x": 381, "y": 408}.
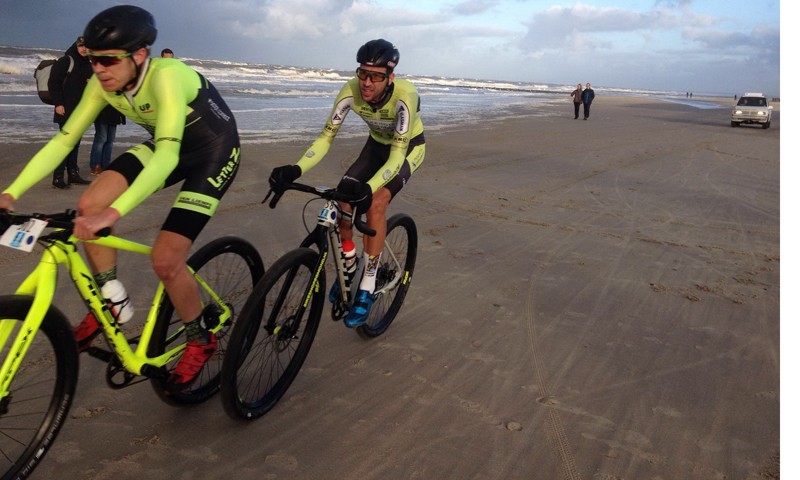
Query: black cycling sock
{"x": 196, "y": 333}
{"x": 104, "y": 277}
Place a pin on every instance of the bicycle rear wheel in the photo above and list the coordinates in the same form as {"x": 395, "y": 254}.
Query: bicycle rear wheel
{"x": 41, "y": 393}
{"x": 272, "y": 338}
{"x": 231, "y": 266}
{"x": 397, "y": 265}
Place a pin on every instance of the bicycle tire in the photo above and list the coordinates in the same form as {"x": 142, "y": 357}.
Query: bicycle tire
{"x": 401, "y": 239}
{"x": 232, "y": 267}
{"x": 270, "y": 341}
{"x": 42, "y": 390}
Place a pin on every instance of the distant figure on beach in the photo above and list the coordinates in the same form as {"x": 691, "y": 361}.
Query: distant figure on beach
{"x": 192, "y": 139}
{"x": 588, "y": 98}
{"x": 167, "y": 53}
{"x": 395, "y": 148}
{"x": 105, "y": 131}
{"x": 577, "y": 98}
{"x": 67, "y": 82}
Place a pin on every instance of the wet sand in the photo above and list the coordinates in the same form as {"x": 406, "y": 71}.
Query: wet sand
{"x": 592, "y": 300}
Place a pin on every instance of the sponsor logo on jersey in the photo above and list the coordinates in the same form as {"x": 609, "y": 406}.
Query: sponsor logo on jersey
{"x": 403, "y": 120}
{"x": 227, "y": 171}
{"x": 340, "y": 112}
{"x": 218, "y": 111}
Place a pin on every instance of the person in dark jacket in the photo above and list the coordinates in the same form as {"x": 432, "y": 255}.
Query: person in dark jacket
{"x": 588, "y": 97}
{"x": 577, "y": 99}
{"x": 105, "y": 131}
{"x": 67, "y": 81}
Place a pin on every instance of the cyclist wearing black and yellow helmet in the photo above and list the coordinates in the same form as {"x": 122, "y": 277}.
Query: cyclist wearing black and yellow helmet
{"x": 395, "y": 148}
{"x": 193, "y": 139}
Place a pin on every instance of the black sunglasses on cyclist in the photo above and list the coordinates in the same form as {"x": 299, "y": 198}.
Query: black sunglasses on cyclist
{"x": 107, "y": 60}
{"x": 376, "y": 77}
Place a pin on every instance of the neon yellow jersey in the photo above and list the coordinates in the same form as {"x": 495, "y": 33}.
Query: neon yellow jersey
{"x": 393, "y": 123}
{"x": 174, "y": 103}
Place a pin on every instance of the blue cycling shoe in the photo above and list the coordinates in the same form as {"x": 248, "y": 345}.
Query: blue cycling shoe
{"x": 360, "y": 311}
{"x": 334, "y": 293}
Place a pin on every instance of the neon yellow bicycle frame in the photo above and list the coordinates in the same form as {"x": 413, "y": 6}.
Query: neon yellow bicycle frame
{"x": 41, "y": 284}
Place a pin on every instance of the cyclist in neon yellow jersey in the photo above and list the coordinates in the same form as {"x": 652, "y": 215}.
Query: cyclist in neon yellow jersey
{"x": 193, "y": 139}
{"x": 395, "y": 148}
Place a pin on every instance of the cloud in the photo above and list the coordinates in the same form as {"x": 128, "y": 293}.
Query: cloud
{"x": 559, "y": 27}
{"x": 473, "y": 7}
{"x": 300, "y": 20}
{"x": 655, "y": 43}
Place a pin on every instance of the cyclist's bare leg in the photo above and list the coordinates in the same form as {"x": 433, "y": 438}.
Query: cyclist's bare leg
{"x": 345, "y": 227}
{"x": 169, "y": 251}
{"x": 169, "y": 262}
{"x": 98, "y": 196}
{"x": 376, "y": 220}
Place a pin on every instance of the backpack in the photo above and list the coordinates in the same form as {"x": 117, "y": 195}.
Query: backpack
{"x": 42, "y": 75}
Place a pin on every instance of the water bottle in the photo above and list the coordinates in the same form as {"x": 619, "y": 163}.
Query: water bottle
{"x": 350, "y": 263}
{"x": 120, "y": 303}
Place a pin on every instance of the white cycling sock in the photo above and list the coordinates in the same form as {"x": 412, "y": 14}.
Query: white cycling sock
{"x": 370, "y": 269}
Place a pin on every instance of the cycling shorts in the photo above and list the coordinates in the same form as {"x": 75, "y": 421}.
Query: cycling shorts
{"x": 374, "y": 156}
{"x": 206, "y": 174}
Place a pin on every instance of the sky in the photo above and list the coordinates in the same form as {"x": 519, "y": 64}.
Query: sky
{"x": 704, "y": 46}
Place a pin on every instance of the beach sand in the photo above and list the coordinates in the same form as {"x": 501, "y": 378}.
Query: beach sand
{"x": 592, "y": 300}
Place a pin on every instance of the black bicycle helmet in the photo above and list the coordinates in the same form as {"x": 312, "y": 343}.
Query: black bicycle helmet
{"x": 378, "y": 53}
{"x": 123, "y": 27}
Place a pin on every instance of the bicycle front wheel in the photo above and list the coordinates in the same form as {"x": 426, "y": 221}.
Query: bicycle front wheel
{"x": 41, "y": 392}
{"x": 394, "y": 274}
{"x": 230, "y": 266}
{"x": 272, "y": 338}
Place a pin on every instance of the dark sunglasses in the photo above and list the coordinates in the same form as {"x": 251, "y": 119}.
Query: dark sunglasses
{"x": 374, "y": 76}
{"x": 108, "y": 59}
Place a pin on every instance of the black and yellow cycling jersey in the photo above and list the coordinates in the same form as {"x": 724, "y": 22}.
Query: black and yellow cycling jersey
{"x": 193, "y": 133}
{"x": 395, "y": 122}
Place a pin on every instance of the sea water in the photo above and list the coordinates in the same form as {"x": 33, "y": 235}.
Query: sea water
{"x": 274, "y": 103}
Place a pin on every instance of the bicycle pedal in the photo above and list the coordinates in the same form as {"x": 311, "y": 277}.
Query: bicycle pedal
{"x": 338, "y": 312}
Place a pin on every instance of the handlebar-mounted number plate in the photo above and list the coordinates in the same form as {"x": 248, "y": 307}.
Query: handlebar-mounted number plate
{"x": 23, "y": 237}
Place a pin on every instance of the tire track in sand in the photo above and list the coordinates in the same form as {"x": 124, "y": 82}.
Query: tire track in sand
{"x": 554, "y": 425}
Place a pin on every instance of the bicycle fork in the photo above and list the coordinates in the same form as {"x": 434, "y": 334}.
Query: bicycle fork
{"x": 43, "y": 293}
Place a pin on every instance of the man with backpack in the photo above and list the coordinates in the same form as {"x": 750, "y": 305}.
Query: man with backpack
{"x": 68, "y": 79}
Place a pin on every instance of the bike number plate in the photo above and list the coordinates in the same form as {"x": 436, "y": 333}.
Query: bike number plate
{"x": 23, "y": 237}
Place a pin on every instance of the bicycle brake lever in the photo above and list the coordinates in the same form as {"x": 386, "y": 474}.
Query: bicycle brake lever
{"x": 277, "y": 196}
{"x": 269, "y": 192}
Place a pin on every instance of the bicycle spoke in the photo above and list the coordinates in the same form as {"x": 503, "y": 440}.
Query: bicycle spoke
{"x": 273, "y": 337}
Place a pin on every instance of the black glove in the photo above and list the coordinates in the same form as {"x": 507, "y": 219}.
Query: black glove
{"x": 5, "y": 221}
{"x": 282, "y": 176}
{"x": 360, "y": 191}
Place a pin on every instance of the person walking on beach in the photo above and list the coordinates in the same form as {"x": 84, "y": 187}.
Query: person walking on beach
{"x": 105, "y": 131}
{"x": 66, "y": 84}
{"x": 577, "y": 95}
{"x": 394, "y": 149}
{"x": 167, "y": 53}
{"x": 588, "y": 98}
{"x": 193, "y": 139}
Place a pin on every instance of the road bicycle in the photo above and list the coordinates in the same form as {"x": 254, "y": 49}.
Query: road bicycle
{"x": 39, "y": 353}
{"x": 276, "y": 328}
